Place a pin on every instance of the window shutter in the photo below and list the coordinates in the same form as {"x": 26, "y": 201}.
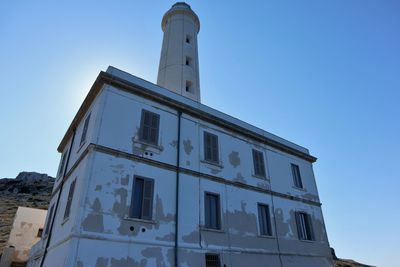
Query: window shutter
{"x": 69, "y": 200}
{"x": 85, "y": 127}
{"x": 147, "y": 199}
{"x": 137, "y": 198}
{"x": 149, "y": 127}
{"x": 298, "y": 224}
{"x": 310, "y": 227}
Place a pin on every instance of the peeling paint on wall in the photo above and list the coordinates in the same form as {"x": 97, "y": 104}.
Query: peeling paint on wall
{"x": 234, "y": 159}
{"x": 187, "y": 146}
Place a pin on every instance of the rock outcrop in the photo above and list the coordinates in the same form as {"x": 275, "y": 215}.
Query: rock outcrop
{"x": 28, "y": 189}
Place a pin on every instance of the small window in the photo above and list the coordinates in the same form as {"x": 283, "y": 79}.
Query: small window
{"x": 296, "y": 176}
{"x": 188, "y": 61}
{"x": 188, "y": 39}
{"x": 211, "y": 147}
{"x": 49, "y": 218}
{"x": 69, "y": 200}
{"x": 188, "y": 87}
{"x": 40, "y": 232}
{"x": 149, "y": 127}
{"x": 85, "y": 128}
{"x": 212, "y": 260}
{"x": 142, "y": 198}
{"x": 304, "y": 226}
{"x": 212, "y": 211}
{"x": 258, "y": 161}
{"x": 264, "y": 220}
{"x": 61, "y": 169}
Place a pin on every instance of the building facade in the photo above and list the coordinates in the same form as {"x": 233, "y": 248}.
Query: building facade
{"x": 151, "y": 177}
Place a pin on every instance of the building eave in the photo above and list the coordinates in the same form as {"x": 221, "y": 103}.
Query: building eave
{"x": 138, "y": 86}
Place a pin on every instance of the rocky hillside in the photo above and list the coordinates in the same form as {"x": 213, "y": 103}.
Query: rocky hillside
{"x": 28, "y": 189}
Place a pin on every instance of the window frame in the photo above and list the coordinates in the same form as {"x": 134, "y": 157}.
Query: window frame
{"x": 214, "y": 151}
{"x": 258, "y": 158}
{"x": 305, "y": 229}
{"x": 85, "y": 129}
{"x": 142, "y": 200}
{"x": 207, "y": 212}
{"x": 211, "y": 264}
{"x": 70, "y": 197}
{"x": 296, "y": 175}
{"x": 264, "y": 230}
{"x": 149, "y": 128}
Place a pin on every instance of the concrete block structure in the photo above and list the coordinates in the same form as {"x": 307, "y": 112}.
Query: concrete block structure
{"x": 149, "y": 176}
{"x": 25, "y": 232}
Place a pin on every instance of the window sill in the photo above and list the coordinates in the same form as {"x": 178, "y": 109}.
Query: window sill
{"x": 299, "y": 188}
{"x": 216, "y": 164}
{"x": 140, "y": 220}
{"x": 153, "y": 147}
{"x": 260, "y": 177}
{"x": 266, "y": 236}
{"x": 203, "y": 228}
{"x": 307, "y": 241}
{"x": 65, "y": 221}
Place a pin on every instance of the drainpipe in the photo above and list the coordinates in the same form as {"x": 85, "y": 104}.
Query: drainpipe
{"x": 177, "y": 187}
{"x": 58, "y": 200}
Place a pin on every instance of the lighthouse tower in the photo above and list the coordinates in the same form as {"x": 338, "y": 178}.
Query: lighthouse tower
{"x": 179, "y": 63}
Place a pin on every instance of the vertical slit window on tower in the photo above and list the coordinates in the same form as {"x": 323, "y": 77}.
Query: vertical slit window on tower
{"x": 188, "y": 61}
{"x": 69, "y": 200}
{"x": 211, "y": 147}
{"x": 142, "y": 198}
{"x": 149, "y": 127}
{"x": 264, "y": 220}
{"x": 212, "y": 260}
{"x": 304, "y": 226}
{"x": 188, "y": 38}
{"x": 258, "y": 162}
{"x": 188, "y": 86}
{"x": 296, "y": 176}
{"x": 212, "y": 211}
{"x": 85, "y": 128}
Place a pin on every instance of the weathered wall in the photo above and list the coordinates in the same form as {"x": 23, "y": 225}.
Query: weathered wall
{"x": 100, "y": 209}
{"x": 24, "y": 232}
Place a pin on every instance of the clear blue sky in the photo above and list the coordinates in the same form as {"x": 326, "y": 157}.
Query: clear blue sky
{"x": 323, "y": 74}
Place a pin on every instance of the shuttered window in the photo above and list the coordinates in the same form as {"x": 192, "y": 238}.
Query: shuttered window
{"x": 69, "y": 200}
{"x": 63, "y": 159}
{"x": 296, "y": 176}
{"x": 264, "y": 220}
{"x": 258, "y": 161}
{"x": 85, "y": 128}
{"x": 142, "y": 199}
{"x": 49, "y": 217}
{"x": 212, "y": 211}
{"x": 212, "y": 260}
{"x": 211, "y": 147}
{"x": 305, "y": 229}
{"x": 149, "y": 127}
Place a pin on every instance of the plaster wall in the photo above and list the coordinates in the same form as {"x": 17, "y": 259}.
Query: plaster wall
{"x": 24, "y": 232}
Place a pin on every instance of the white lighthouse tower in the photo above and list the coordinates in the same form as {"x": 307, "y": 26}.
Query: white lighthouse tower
{"x": 179, "y": 63}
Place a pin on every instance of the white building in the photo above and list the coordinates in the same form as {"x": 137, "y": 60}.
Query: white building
{"x": 149, "y": 176}
{"x": 25, "y": 232}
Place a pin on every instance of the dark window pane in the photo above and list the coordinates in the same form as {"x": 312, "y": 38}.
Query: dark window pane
{"x": 212, "y": 260}
{"x": 85, "y": 127}
{"x": 264, "y": 220}
{"x": 137, "y": 198}
{"x": 212, "y": 211}
{"x": 211, "y": 147}
{"x": 296, "y": 176}
{"x": 258, "y": 161}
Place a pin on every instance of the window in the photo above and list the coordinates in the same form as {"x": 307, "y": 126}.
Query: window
{"x": 63, "y": 159}
{"x": 188, "y": 38}
{"x": 258, "y": 161}
{"x": 188, "y": 61}
{"x": 85, "y": 127}
{"x": 212, "y": 211}
{"x": 40, "y": 232}
{"x": 150, "y": 123}
{"x": 304, "y": 226}
{"x": 47, "y": 228}
{"x": 264, "y": 220}
{"x": 296, "y": 176}
{"x": 212, "y": 260}
{"x": 142, "y": 198}
{"x": 69, "y": 200}
{"x": 211, "y": 147}
{"x": 188, "y": 86}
